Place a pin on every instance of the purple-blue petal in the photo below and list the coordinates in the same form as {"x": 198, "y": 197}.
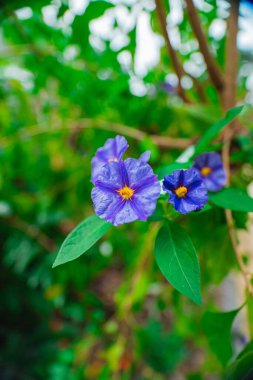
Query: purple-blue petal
{"x": 217, "y": 178}
{"x": 103, "y": 202}
{"x": 110, "y": 175}
{"x": 136, "y": 174}
{"x": 171, "y": 181}
{"x": 144, "y": 157}
{"x": 138, "y": 171}
{"x": 196, "y": 196}
{"x": 113, "y": 150}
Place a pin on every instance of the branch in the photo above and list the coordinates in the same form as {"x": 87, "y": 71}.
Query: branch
{"x": 229, "y": 92}
{"x": 228, "y": 101}
{"x": 212, "y": 67}
{"x": 160, "y": 141}
{"x": 171, "y": 52}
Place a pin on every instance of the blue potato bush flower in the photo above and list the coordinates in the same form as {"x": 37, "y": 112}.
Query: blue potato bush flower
{"x": 125, "y": 191}
{"x": 112, "y": 151}
{"x": 210, "y": 168}
{"x": 186, "y": 190}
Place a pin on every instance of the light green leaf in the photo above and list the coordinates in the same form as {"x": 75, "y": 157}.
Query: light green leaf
{"x": 177, "y": 260}
{"x": 83, "y": 237}
{"x": 241, "y": 369}
{"x": 212, "y": 132}
{"x": 232, "y": 199}
{"x": 217, "y": 327}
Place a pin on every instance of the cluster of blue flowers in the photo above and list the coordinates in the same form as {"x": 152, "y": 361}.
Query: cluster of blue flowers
{"x": 127, "y": 190}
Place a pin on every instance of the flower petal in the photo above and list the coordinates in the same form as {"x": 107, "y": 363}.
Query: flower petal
{"x": 171, "y": 181}
{"x": 103, "y": 202}
{"x": 138, "y": 171}
{"x": 125, "y": 215}
{"x": 113, "y": 150}
{"x": 144, "y": 157}
{"x": 217, "y": 177}
{"x": 110, "y": 175}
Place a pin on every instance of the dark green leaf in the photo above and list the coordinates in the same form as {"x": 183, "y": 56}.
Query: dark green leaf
{"x": 233, "y": 199}
{"x": 177, "y": 260}
{"x": 171, "y": 349}
{"x": 241, "y": 369}
{"x": 212, "y": 132}
{"x": 81, "y": 239}
{"x": 217, "y": 327}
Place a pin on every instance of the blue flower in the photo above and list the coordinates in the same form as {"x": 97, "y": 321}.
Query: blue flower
{"x": 210, "y": 168}
{"x": 125, "y": 191}
{"x": 112, "y": 151}
{"x": 186, "y": 189}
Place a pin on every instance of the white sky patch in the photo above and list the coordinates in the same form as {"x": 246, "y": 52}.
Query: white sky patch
{"x": 97, "y": 43}
{"x": 49, "y": 14}
{"x": 175, "y": 17}
{"x": 78, "y": 6}
{"x": 203, "y": 5}
{"x": 186, "y": 82}
{"x": 125, "y": 60}
{"x": 137, "y": 87}
{"x": 125, "y": 19}
{"x": 245, "y": 35}
{"x": 119, "y": 40}
{"x": 22, "y": 76}
{"x": 148, "y": 45}
{"x": 172, "y": 79}
{"x": 103, "y": 26}
{"x": 217, "y": 29}
{"x": 24, "y": 13}
{"x": 71, "y": 52}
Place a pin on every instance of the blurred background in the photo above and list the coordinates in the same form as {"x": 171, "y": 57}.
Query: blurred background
{"x": 72, "y": 74}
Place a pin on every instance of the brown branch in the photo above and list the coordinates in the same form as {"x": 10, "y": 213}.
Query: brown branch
{"x": 160, "y": 141}
{"x": 178, "y": 68}
{"x": 228, "y": 101}
{"x": 212, "y": 67}
{"x": 229, "y": 92}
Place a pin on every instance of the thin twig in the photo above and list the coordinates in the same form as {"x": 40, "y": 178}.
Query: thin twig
{"x": 212, "y": 67}
{"x": 233, "y": 237}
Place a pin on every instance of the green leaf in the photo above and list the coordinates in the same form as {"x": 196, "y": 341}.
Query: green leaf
{"x": 83, "y": 237}
{"x": 233, "y": 199}
{"x": 217, "y": 327}
{"x": 212, "y": 132}
{"x": 168, "y": 169}
{"x": 177, "y": 260}
{"x": 241, "y": 369}
{"x": 248, "y": 348}
{"x": 171, "y": 347}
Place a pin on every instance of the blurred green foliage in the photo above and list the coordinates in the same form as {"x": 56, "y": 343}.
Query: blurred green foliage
{"x": 63, "y": 91}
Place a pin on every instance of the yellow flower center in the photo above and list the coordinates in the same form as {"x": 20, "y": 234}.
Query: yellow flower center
{"x": 113, "y": 160}
{"x": 205, "y": 171}
{"x": 126, "y": 192}
{"x": 181, "y": 191}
